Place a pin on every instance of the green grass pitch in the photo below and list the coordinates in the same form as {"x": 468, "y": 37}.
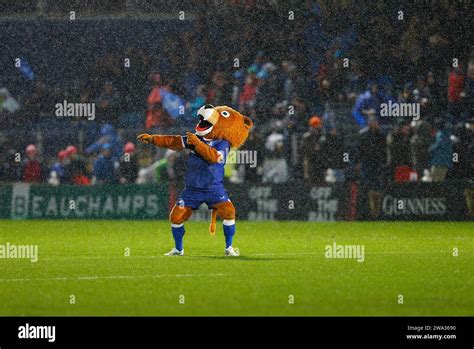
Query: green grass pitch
{"x": 279, "y": 261}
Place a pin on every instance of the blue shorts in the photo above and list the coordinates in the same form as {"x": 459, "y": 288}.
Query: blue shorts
{"x": 192, "y": 197}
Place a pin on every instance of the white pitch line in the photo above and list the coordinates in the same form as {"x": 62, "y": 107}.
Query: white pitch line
{"x": 246, "y": 255}
{"x": 109, "y": 277}
{"x": 322, "y": 253}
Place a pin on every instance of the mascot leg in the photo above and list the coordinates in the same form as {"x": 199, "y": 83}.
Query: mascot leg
{"x": 178, "y": 216}
{"x": 226, "y": 211}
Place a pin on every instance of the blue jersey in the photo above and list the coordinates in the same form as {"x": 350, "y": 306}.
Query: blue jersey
{"x": 204, "y": 175}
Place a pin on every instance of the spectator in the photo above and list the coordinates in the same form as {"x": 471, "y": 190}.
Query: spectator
{"x": 399, "y": 148}
{"x": 259, "y": 62}
{"x": 128, "y": 169}
{"x": 371, "y": 154}
{"x": 104, "y": 167}
{"x": 10, "y": 166}
{"x": 441, "y": 153}
{"x": 463, "y": 168}
{"x": 76, "y": 170}
{"x": 176, "y": 167}
{"x": 269, "y": 91}
{"x": 57, "y": 174}
{"x": 296, "y": 113}
{"x": 420, "y": 142}
{"x": 275, "y": 166}
{"x": 469, "y": 91}
{"x": 32, "y": 170}
{"x": 253, "y": 144}
{"x": 108, "y": 136}
{"x": 289, "y": 76}
{"x": 433, "y": 91}
{"x": 455, "y": 92}
{"x": 198, "y": 101}
{"x": 249, "y": 93}
{"x": 335, "y": 153}
{"x": 7, "y": 102}
{"x": 367, "y": 104}
{"x": 313, "y": 152}
{"x": 156, "y": 116}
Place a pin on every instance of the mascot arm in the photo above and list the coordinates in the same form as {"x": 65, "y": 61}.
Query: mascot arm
{"x": 163, "y": 141}
{"x": 207, "y": 152}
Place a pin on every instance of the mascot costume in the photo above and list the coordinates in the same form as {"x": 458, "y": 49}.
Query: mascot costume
{"x": 218, "y": 130}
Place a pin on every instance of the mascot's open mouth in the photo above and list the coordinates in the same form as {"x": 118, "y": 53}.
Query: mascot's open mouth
{"x": 203, "y": 125}
{"x": 206, "y": 117}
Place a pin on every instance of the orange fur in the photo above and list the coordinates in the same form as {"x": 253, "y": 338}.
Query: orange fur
{"x": 180, "y": 214}
{"x": 212, "y": 226}
{"x": 170, "y": 142}
{"x": 234, "y": 128}
{"x": 225, "y": 210}
{"x": 208, "y": 153}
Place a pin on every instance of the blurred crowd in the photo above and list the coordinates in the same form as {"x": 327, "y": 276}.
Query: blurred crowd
{"x": 105, "y": 161}
{"x": 314, "y": 88}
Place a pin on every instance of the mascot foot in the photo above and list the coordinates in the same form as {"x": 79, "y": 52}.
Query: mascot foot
{"x": 232, "y": 252}
{"x": 175, "y": 252}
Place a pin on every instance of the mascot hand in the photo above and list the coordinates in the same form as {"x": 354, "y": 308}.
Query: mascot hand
{"x": 145, "y": 138}
{"x": 192, "y": 139}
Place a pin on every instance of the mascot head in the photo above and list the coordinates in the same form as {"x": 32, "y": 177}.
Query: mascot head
{"x": 223, "y": 123}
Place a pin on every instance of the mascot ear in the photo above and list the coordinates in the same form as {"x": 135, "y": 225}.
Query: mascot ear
{"x": 248, "y": 123}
